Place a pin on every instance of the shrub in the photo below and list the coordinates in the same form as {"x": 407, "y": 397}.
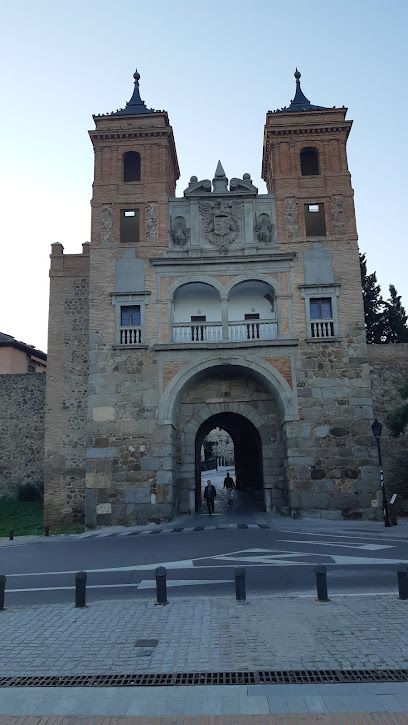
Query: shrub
{"x": 29, "y": 492}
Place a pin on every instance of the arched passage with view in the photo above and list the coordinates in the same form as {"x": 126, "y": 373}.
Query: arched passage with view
{"x": 247, "y": 454}
{"x": 246, "y": 405}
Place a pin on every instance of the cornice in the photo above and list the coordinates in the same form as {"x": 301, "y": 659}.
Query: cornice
{"x": 200, "y": 261}
{"x": 295, "y": 130}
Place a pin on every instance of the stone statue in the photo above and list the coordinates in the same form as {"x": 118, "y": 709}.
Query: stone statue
{"x": 263, "y": 229}
{"x": 179, "y": 234}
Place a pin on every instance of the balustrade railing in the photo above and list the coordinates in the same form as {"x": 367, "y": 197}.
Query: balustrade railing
{"x": 322, "y": 328}
{"x": 212, "y": 332}
{"x": 197, "y": 332}
{"x": 253, "y": 330}
{"x": 130, "y": 335}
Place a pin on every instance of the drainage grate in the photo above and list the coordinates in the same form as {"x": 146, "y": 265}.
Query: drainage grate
{"x": 258, "y": 677}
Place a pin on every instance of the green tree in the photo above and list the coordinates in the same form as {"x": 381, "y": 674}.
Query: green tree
{"x": 208, "y": 449}
{"x": 373, "y": 304}
{"x": 396, "y": 329}
{"x": 397, "y": 421}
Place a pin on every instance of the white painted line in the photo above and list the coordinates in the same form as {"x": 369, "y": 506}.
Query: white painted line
{"x": 150, "y": 584}
{"x": 350, "y": 537}
{"x": 365, "y": 547}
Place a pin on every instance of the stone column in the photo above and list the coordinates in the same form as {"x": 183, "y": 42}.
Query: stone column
{"x": 224, "y": 318}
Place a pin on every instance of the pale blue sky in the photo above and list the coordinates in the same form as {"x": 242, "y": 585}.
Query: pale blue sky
{"x": 216, "y": 67}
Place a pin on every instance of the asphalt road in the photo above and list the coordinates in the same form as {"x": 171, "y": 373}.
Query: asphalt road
{"x": 202, "y": 563}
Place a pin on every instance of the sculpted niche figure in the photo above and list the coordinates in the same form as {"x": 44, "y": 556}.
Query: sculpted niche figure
{"x": 263, "y": 229}
{"x": 179, "y": 233}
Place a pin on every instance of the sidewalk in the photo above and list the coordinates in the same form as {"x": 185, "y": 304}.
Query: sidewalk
{"x": 309, "y": 703}
{"x": 204, "y": 635}
{"x": 379, "y": 718}
{"x": 200, "y": 634}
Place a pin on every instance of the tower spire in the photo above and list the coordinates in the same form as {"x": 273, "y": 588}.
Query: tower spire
{"x": 135, "y": 105}
{"x": 300, "y": 102}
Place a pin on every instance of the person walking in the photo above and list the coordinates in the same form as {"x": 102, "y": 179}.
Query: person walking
{"x": 229, "y": 485}
{"x": 210, "y": 494}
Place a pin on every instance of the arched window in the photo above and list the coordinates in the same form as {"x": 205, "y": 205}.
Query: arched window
{"x": 131, "y": 166}
{"x": 309, "y": 162}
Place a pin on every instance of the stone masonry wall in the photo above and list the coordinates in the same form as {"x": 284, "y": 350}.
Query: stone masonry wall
{"x": 332, "y": 459}
{"x": 67, "y": 387}
{"x": 389, "y": 370}
{"x": 22, "y": 409}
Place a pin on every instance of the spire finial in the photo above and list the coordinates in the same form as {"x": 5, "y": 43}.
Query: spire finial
{"x": 220, "y": 181}
{"x": 136, "y": 76}
{"x": 297, "y": 76}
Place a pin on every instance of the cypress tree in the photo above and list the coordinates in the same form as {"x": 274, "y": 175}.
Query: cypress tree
{"x": 396, "y": 329}
{"x": 373, "y": 304}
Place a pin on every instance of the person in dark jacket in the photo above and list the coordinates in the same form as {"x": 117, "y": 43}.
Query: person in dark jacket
{"x": 229, "y": 485}
{"x": 210, "y": 495}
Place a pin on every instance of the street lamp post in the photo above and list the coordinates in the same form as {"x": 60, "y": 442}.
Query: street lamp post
{"x": 376, "y": 427}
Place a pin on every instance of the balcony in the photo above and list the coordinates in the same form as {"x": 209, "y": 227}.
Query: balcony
{"x": 237, "y": 331}
{"x": 197, "y": 332}
{"x": 253, "y": 330}
{"x": 130, "y": 335}
{"x": 322, "y": 328}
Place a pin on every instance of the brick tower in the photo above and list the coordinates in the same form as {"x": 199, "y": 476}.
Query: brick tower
{"x": 330, "y": 459}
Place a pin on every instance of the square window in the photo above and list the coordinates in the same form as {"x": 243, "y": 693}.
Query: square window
{"x": 320, "y": 308}
{"x": 315, "y": 221}
{"x": 129, "y": 226}
{"x": 130, "y": 316}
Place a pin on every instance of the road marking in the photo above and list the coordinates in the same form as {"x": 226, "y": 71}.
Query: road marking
{"x": 151, "y": 584}
{"x": 362, "y": 560}
{"x": 340, "y": 536}
{"x": 257, "y": 557}
{"x": 365, "y": 547}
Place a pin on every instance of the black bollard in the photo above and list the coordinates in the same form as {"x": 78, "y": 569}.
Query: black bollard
{"x": 402, "y": 574}
{"x": 161, "y": 587}
{"x": 2, "y": 588}
{"x": 321, "y": 583}
{"x": 46, "y": 530}
{"x": 80, "y": 589}
{"x": 240, "y": 591}
{"x": 11, "y": 535}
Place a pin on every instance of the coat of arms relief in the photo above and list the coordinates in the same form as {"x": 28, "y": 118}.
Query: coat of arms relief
{"x": 221, "y": 222}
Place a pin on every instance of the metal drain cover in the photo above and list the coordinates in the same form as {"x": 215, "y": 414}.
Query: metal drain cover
{"x": 170, "y": 679}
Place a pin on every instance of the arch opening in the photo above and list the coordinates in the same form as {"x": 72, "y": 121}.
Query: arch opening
{"x": 309, "y": 161}
{"x": 247, "y": 457}
{"x": 131, "y": 166}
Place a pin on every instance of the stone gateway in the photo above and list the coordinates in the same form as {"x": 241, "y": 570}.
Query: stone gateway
{"x": 223, "y": 308}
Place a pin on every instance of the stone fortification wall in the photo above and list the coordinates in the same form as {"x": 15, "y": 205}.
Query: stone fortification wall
{"x": 67, "y": 380}
{"x": 22, "y": 406}
{"x": 389, "y": 370}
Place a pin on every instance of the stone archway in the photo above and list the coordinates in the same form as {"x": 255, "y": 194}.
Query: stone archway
{"x": 236, "y": 396}
{"x": 247, "y": 453}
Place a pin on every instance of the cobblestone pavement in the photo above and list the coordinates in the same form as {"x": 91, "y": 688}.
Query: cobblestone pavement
{"x": 206, "y": 635}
